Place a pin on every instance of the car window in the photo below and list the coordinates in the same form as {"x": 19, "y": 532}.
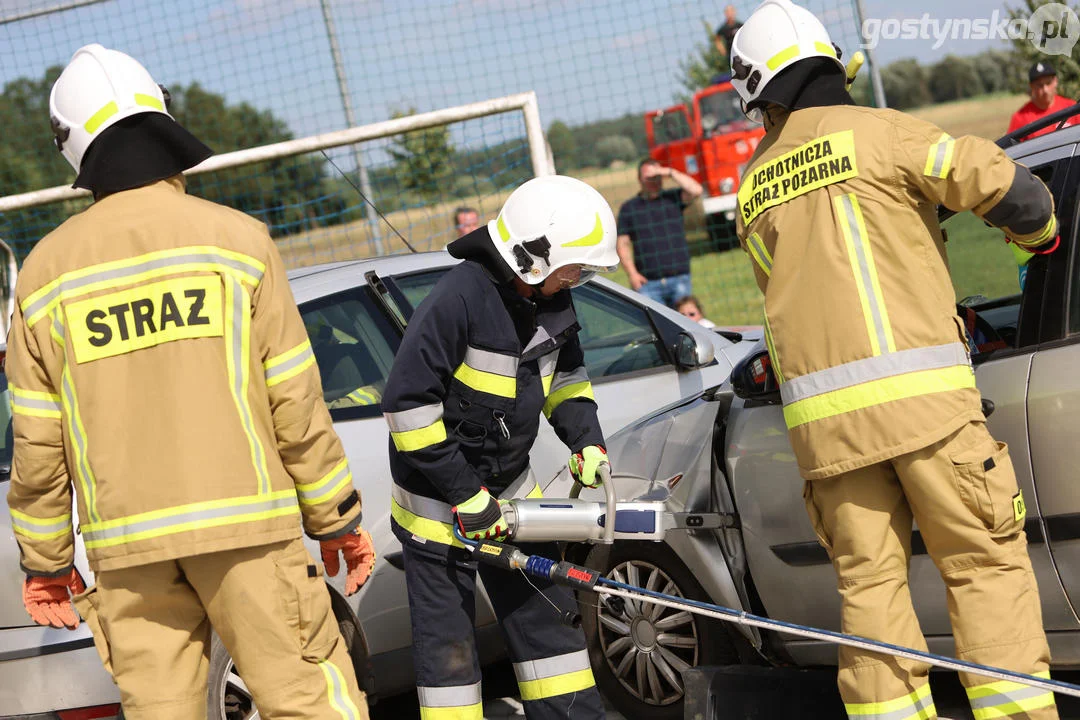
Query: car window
{"x": 986, "y": 274}
{"x": 616, "y": 334}
{"x": 354, "y": 346}
{"x": 416, "y": 286}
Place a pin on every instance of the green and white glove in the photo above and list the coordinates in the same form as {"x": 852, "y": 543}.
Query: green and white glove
{"x": 480, "y": 517}
{"x": 585, "y": 465}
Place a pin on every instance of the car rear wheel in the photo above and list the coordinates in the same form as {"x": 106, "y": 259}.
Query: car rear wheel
{"x": 638, "y": 650}
{"x": 227, "y": 696}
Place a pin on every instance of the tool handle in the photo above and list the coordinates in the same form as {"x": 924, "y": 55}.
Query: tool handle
{"x": 609, "y": 494}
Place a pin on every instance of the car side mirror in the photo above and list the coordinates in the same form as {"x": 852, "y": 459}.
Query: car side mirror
{"x": 753, "y": 378}
{"x": 690, "y": 354}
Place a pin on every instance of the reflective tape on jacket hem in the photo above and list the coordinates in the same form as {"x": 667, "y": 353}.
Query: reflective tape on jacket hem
{"x": 878, "y": 392}
{"x": 421, "y": 527}
{"x": 877, "y": 367}
{"x": 195, "y": 516}
{"x": 916, "y": 705}
{"x": 337, "y": 691}
{"x": 451, "y": 696}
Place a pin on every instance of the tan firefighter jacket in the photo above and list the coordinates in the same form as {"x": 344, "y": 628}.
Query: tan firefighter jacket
{"x": 837, "y": 211}
{"x": 158, "y": 363}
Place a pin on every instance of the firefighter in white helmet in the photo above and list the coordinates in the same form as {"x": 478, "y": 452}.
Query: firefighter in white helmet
{"x": 492, "y": 347}
{"x": 837, "y": 210}
{"x": 158, "y": 363}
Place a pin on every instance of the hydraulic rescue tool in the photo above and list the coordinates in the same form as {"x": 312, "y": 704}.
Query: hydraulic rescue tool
{"x": 575, "y": 520}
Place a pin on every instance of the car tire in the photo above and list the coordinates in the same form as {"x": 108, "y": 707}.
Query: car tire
{"x": 637, "y": 670}
{"x": 227, "y": 697}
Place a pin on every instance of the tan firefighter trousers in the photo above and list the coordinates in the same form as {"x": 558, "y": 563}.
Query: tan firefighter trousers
{"x": 270, "y": 606}
{"x": 962, "y": 492}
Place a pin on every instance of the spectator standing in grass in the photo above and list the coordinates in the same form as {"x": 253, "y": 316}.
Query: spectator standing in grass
{"x": 466, "y": 219}
{"x": 1042, "y": 85}
{"x": 652, "y": 239}
{"x": 726, "y": 32}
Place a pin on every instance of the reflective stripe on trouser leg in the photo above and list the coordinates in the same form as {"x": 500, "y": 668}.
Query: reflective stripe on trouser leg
{"x": 549, "y": 657}
{"x": 962, "y": 490}
{"x": 442, "y": 602}
{"x": 916, "y": 705}
{"x": 864, "y": 520}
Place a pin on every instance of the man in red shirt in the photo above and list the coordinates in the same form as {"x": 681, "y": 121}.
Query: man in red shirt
{"x": 1042, "y": 79}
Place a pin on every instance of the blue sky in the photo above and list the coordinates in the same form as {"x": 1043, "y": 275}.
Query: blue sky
{"x": 586, "y": 59}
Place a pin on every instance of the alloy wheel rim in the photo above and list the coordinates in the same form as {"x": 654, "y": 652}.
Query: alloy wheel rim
{"x": 647, "y": 647}
{"x": 237, "y": 702}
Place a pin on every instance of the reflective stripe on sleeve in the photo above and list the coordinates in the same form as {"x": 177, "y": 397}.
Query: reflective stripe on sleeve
{"x": 1045, "y": 234}
{"x": 327, "y": 486}
{"x": 771, "y": 346}
{"x": 547, "y": 365}
{"x": 289, "y": 364}
{"x": 916, "y": 705}
{"x": 416, "y": 428}
{"x": 760, "y": 253}
{"x": 489, "y": 372}
{"x": 454, "y": 702}
{"x": 40, "y": 528}
{"x": 552, "y": 676}
{"x": 1005, "y": 699}
{"x": 567, "y": 385}
{"x": 939, "y": 158}
{"x": 35, "y": 403}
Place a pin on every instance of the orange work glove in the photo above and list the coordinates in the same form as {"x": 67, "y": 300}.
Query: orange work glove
{"x": 359, "y": 554}
{"x": 48, "y": 599}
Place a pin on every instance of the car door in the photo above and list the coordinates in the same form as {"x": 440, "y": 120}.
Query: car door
{"x": 782, "y": 550}
{"x": 1054, "y": 406}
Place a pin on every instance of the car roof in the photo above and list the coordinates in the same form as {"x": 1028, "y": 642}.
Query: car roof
{"x": 389, "y": 264}
{"x": 1065, "y": 136}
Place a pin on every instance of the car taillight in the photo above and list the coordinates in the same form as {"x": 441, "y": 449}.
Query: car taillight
{"x": 760, "y": 369}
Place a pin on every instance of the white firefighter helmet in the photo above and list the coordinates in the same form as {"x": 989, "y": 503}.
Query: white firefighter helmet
{"x": 551, "y": 222}
{"x": 777, "y": 35}
{"x": 98, "y": 88}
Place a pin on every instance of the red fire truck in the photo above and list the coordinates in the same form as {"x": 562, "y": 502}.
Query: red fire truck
{"x": 713, "y": 144}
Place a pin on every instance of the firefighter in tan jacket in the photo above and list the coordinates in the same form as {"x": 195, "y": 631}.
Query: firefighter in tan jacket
{"x": 837, "y": 210}
{"x": 158, "y": 363}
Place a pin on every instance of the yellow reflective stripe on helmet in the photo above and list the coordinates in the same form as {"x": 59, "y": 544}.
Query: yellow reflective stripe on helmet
{"x": 237, "y": 353}
{"x": 422, "y": 527}
{"x": 568, "y": 392}
{"x": 40, "y": 528}
{"x": 452, "y": 702}
{"x": 861, "y": 257}
{"x": 823, "y": 48}
{"x": 773, "y": 356}
{"x": 782, "y": 57}
{"x": 289, "y": 364}
{"x": 916, "y": 705}
{"x": 1005, "y": 698}
{"x": 149, "y": 101}
{"x": 939, "y": 157}
{"x": 760, "y": 253}
{"x": 97, "y": 119}
{"x": 194, "y": 516}
{"x": 500, "y": 225}
{"x": 197, "y": 258}
{"x": 35, "y": 403}
{"x": 877, "y": 392}
{"x": 77, "y": 434}
{"x": 337, "y": 692}
{"x": 325, "y": 487}
{"x": 593, "y": 237}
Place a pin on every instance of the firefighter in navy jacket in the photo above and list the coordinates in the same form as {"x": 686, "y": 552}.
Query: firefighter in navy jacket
{"x": 492, "y": 348}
